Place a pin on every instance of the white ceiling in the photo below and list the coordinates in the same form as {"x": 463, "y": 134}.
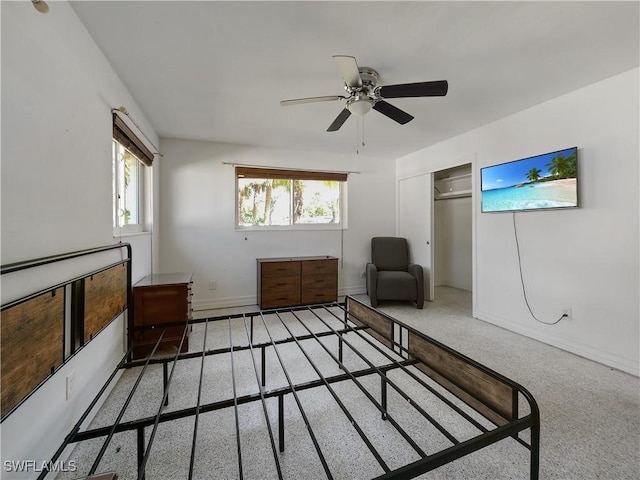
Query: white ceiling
{"x": 209, "y": 70}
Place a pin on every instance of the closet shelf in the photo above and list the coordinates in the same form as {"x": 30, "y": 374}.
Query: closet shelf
{"x": 456, "y": 194}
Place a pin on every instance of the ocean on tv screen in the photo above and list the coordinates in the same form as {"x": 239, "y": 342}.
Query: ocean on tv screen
{"x": 552, "y": 194}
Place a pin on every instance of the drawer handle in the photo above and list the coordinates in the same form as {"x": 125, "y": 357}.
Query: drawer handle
{"x": 281, "y": 298}
{"x": 282, "y": 284}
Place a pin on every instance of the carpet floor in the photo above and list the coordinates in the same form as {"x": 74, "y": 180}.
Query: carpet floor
{"x": 590, "y": 413}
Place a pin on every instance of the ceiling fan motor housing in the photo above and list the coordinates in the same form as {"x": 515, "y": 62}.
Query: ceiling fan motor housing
{"x": 369, "y": 77}
{"x": 363, "y": 98}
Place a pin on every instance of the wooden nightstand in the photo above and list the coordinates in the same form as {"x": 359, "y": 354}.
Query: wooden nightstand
{"x": 157, "y": 299}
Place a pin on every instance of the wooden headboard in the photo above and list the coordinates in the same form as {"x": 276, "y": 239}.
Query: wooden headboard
{"x": 42, "y": 330}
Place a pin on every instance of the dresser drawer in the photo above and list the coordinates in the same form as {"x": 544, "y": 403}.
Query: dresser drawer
{"x": 315, "y": 267}
{"x": 319, "y": 295}
{"x": 280, "y": 269}
{"x": 272, "y": 299}
{"x": 279, "y": 284}
{"x": 315, "y": 282}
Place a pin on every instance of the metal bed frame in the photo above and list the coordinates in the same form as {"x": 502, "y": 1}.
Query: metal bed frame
{"x": 457, "y": 381}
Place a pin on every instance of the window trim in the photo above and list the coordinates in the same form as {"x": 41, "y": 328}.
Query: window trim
{"x": 138, "y": 227}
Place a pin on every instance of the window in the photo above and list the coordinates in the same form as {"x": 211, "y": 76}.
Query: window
{"x": 129, "y": 155}
{"x": 289, "y": 198}
{"x": 126, "y": 187}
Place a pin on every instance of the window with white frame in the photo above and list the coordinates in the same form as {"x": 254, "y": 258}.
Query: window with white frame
{"x": 127, "y": 188}
{"x": 289, "y": 198}
{"x": 129, "y": 157}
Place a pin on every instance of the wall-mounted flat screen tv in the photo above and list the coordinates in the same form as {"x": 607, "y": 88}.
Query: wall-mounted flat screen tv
{"x": 545, "y": 181}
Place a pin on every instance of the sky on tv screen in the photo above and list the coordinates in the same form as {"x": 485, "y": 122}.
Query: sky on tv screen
{"x": 515, "y": 173}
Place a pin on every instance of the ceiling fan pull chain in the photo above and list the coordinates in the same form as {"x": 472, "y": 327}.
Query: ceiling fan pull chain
{"x": 363, "y": 131}
{"x": 357, "y": 128}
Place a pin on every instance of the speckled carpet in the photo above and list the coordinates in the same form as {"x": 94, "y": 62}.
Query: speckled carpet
{"x": 590, "y": 413}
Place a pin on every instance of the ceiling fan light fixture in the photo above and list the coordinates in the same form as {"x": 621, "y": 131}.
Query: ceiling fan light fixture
{"x": 360, "y": 106}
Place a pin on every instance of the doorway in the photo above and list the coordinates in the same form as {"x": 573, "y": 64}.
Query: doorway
{"x": 452, "y": 227}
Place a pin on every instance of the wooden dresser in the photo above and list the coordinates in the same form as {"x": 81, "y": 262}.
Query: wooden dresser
{"x": 157, "y": 299}
{"x": 283, "y": 282}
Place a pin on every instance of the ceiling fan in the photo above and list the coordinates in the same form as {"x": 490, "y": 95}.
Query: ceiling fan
{"x": 364, "y": 95}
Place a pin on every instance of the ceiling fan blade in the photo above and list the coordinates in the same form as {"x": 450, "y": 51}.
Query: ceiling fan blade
{"x": 298, "y": 101}
{"x": 420, "y": 89}
{"x": 340, "y": 119}
{"x": 349, "y": 70}
{"x": 394, "y": 113}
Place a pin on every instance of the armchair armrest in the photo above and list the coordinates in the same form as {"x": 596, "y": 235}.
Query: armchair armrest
{"x": 418, "y": 272}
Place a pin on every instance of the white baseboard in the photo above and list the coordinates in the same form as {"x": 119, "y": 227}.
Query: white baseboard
{"x": 227, "y": 302}
{"x": 577, "y": 348}
{"x": 248, "y": 300}
{"x": 355, "y": 290}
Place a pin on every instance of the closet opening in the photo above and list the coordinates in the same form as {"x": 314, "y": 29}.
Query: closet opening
{"x": 452, "y": 228}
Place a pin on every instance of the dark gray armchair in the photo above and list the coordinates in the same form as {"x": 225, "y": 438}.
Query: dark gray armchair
{"x": 390, "y": 276}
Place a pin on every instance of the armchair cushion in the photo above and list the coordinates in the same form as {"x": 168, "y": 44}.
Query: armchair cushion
{"x": 390, "y": 253}
{"x": 396, "y": 286}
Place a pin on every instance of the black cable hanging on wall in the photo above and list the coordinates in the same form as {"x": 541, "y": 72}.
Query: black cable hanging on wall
{"x": 524, "y": 290}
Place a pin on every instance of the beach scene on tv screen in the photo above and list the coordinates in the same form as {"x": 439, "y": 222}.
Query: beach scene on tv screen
{"x": 544, "y": 181}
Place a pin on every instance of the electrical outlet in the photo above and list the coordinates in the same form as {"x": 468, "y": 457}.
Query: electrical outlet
{"x": 71, "y": 383}
{"x": 566, "y": 313}
{"x": 213, "y": 284}
{"x": 363, "y": 274}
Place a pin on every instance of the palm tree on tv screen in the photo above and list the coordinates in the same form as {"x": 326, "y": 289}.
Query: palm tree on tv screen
{"x": 533, "y": 175}
{"x": 563, "y": 167}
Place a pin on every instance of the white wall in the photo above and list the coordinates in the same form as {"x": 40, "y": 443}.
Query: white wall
{"x": 57, "y": 94}
{"x": 587, "y": 258}
{"x": 197, "y": 223}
